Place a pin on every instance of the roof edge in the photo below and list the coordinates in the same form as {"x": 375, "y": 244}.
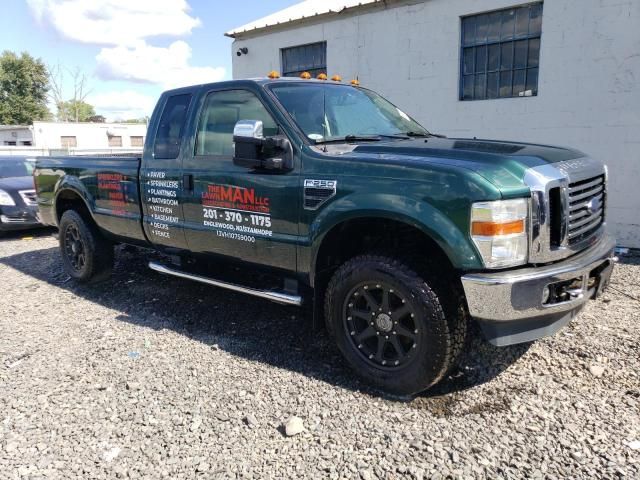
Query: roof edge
{"x": 363, "y": 5}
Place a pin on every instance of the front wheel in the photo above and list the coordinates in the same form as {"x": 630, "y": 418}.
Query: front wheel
{"x": 86, "y": 255}
{"x": 390, "y": 325}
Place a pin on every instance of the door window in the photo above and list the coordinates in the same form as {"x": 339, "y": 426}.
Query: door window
{"x": 222, "y": 110}
{"x": 169, "y": 135}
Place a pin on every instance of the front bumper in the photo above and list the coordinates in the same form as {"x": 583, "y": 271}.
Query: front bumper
{"x": 509, "y": 305}
{"x": 18, "y": 218}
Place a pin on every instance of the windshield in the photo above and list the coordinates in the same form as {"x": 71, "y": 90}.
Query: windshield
{"x": 327, "y": 112}
{"x": 15, "y": 167}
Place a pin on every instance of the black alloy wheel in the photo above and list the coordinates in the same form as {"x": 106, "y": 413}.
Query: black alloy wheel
{"x": 87, "y": 256}
{"x": 381, "y": 324}
{"x": 74, "y": 248}
{"x": 392, "y": 328}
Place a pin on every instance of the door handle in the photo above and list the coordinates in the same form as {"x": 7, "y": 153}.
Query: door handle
{"x": 187, "y": 182}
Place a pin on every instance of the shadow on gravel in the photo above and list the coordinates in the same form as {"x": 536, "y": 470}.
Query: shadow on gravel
{"x": 27, "y": 234}
{"x": 252, "y": 328}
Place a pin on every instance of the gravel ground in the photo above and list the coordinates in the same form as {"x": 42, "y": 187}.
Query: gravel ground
{"x": 150, "y": 376}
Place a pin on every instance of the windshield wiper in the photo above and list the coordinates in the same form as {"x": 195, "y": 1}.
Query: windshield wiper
{"x": 423, "y": 134}
{"x": 351, "y": 138}
{"x": 416, "y": 134}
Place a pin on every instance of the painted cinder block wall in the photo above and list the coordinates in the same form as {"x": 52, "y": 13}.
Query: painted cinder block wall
{"x": 589, "y": 86}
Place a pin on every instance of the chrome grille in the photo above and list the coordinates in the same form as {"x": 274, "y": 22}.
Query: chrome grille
{"x": 586, "y": 208}
{"x": 29, "y": 197}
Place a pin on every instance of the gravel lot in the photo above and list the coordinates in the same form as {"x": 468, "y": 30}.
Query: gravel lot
{"x": 150, "y": 376}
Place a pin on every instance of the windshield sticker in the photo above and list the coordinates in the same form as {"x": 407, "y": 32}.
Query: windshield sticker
{"x": 236, "y": 213}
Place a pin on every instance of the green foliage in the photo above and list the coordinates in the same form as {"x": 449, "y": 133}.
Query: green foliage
{"x": 23, "y": 89}
{"x": 75, "y": 111}
{"x": 135, "y": 120}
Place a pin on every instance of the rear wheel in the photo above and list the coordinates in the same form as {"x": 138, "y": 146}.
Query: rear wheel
{"x": 86, "y": 255}
{"x": 390, "y": 325}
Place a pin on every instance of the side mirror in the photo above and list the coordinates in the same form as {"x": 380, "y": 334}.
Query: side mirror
{"x": 252, "y": 150}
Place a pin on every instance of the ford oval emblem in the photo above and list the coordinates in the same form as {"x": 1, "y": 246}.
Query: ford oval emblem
{"x": 594, "y": 205}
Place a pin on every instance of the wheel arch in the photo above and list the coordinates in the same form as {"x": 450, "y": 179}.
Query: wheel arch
{"x": 442, "y": 237}
{"x": 72, "y": 197}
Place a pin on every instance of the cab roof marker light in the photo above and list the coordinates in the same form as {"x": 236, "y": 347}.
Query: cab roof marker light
{"x": 355, "y": 82}
{"x": 336, "y": 78}
{"x": 273, "y": 75}
{"x": 322, "y": 76}
{"x": 305, "y": 75}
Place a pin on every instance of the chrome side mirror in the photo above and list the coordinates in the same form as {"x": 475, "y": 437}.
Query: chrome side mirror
{"x": 252, "y": 150}
{"x": 248, "y": 129}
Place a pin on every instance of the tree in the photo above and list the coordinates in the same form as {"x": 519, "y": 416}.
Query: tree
{"x": 23, "y": 89}
{"x": 75, "y": 111}
{"x": 135, "y": 120}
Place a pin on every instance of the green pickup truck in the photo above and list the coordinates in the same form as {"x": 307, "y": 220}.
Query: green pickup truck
{"x": 326, "y": 195}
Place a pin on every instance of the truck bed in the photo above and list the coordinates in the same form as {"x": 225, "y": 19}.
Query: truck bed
{"x": 108, "y": 185}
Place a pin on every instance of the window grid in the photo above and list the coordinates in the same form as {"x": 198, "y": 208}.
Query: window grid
{"x": 310, "y": 58}
{"x": 501, "y": 62}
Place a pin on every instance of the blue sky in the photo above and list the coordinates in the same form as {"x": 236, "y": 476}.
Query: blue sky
{"x": 130, "y": 50}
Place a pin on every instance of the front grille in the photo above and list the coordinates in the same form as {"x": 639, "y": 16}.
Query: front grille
{"x": 586, "y": 208}
{"x": 29, "y": 197}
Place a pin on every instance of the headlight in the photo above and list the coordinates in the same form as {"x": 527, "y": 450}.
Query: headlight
{"x": 6, "y": 200}
{"x": 499, "y": 231}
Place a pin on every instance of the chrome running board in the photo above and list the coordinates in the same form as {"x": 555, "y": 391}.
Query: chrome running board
{"x": 278, "y": 297}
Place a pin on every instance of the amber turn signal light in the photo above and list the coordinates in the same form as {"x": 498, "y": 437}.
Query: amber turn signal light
{"x": 492, "y": 229}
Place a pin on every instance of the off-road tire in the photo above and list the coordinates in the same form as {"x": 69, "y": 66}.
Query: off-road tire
{"x": 439, "y": 340}
{"x": 98, "y": 251}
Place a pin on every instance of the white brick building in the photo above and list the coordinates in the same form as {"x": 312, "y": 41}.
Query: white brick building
{"x": 569, "y": 74}
{"x": 65, "y": 136}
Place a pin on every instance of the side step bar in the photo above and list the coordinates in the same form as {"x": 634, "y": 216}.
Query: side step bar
{"x": 278, "y": 297}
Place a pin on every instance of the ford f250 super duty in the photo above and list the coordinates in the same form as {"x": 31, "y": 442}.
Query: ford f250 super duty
{"x": 325, "y": 194}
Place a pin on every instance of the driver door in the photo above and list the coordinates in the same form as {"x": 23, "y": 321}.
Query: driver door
{"x": 249, "y": 215}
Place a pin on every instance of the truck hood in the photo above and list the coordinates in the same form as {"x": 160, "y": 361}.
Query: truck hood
{"x": 502, "y": 163}
{"x": 14, "y": 184}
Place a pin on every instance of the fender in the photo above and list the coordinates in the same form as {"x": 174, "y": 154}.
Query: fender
{"x": 419, "y": 214}
{"x": 73, "y": 184}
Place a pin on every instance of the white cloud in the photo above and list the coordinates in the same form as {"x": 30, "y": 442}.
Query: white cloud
{"x": 122, "y": 105}
{"x": 115, "y": 22}
{"x": 144, "y": 63}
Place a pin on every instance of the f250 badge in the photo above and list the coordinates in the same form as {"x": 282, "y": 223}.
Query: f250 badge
{"x": 317, "y": 192}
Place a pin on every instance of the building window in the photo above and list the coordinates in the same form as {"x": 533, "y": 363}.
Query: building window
{"x": 67, "y": 142}
{"x": 500, "y": 53}
{"x": 137, "y": 141}
{"x": 26, "y": 143}
{"x": 310, "y": 58}
{"x": 115, "y": 141}
{"x": 10, "y": 143}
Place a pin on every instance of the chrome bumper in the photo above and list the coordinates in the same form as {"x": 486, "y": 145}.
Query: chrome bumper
{"x": 509, "y": 305}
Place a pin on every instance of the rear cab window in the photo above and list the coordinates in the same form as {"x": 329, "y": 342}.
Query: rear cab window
{"x": 171, "y": 127}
